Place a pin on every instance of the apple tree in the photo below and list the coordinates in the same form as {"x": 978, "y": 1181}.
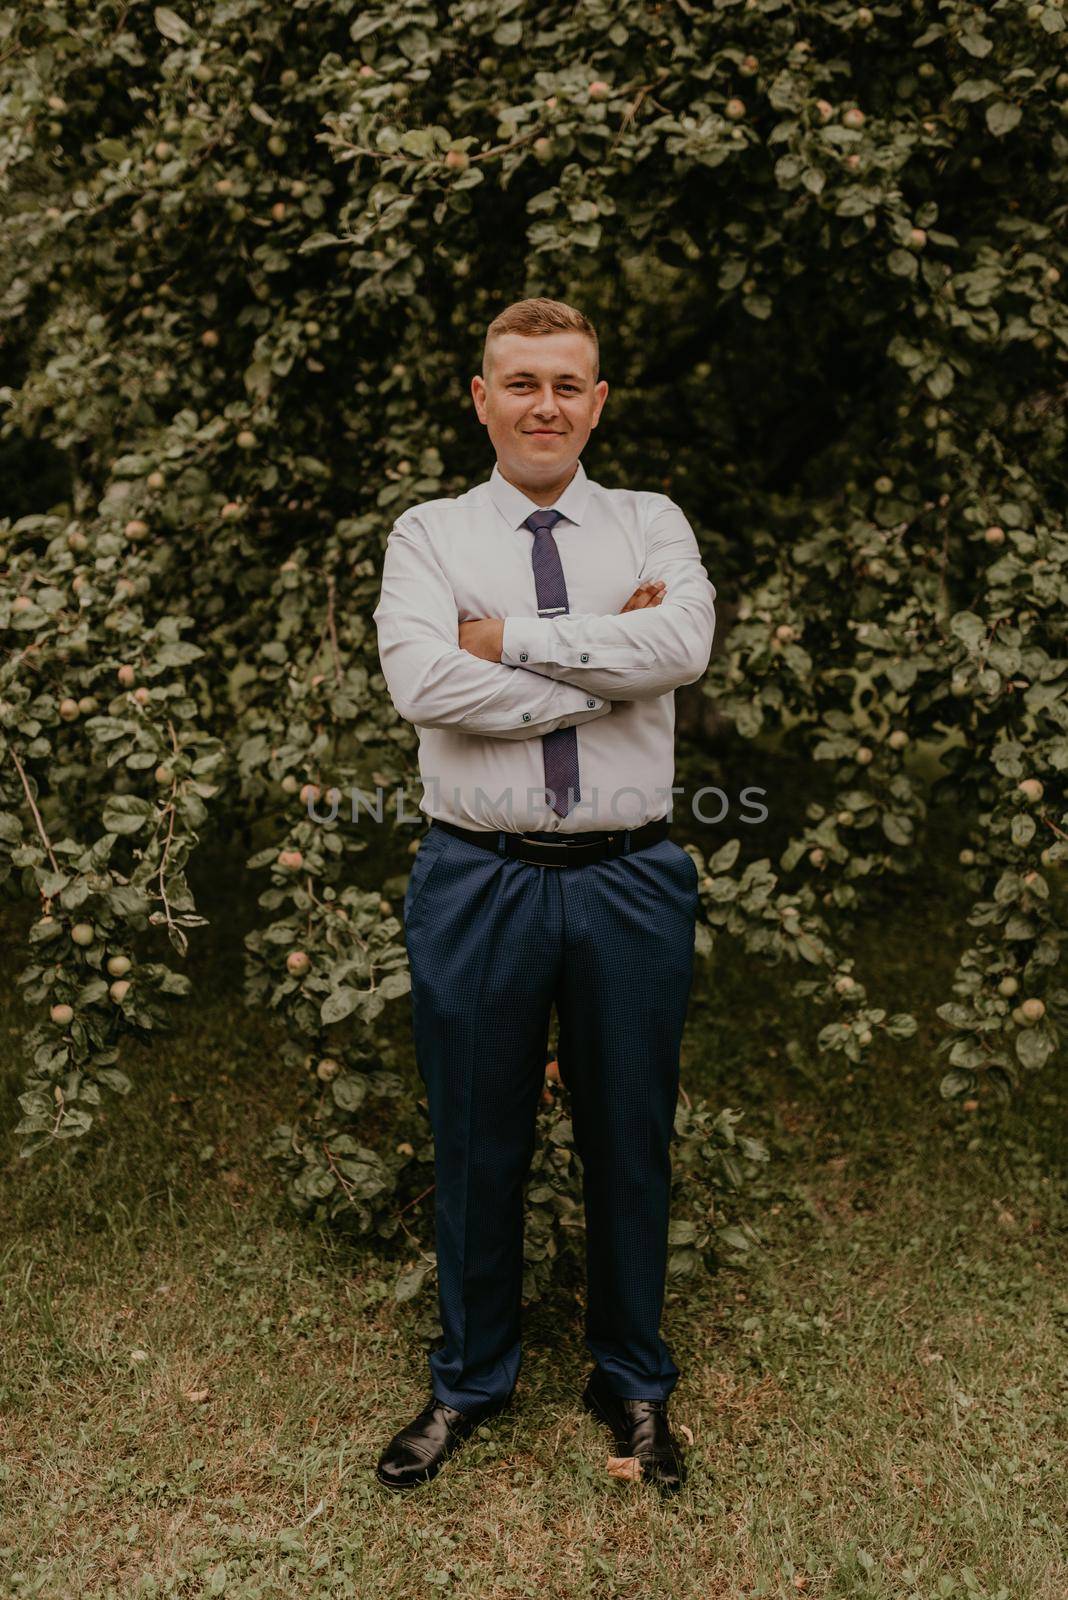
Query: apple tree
{"x": 251, "y": 252}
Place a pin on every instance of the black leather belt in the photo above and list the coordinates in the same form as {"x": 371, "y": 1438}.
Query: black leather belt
{"x": 561, "y": 850}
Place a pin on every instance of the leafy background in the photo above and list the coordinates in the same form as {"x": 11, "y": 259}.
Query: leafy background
{"x": 251, "y": 253}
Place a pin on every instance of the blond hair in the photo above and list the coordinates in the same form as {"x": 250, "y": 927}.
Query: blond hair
{"x": 539, "y": 316}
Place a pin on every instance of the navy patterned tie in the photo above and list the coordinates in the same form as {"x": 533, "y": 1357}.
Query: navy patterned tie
{"x": 559, "y": 748}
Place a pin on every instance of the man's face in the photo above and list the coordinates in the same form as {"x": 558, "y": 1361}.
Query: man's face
{"x": 539, "y": 403}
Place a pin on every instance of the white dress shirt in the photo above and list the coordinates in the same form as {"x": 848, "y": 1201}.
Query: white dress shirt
{"x": 610, "y": 676}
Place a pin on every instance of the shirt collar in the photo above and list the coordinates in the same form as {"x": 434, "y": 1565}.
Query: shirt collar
{"x": 516, "y": 507}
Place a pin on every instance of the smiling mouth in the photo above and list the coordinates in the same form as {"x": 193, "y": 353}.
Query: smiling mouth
{"x": 553, "y": 433}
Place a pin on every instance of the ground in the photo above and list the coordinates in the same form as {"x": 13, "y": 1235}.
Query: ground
{"x": 195, "y": 1385}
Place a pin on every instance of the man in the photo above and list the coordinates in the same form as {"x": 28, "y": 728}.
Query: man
{"x": 534, "y": 629}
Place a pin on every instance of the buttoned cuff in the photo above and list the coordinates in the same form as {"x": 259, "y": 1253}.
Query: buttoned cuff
{"x": 535, "y": 643}
{"x": 525, "y": 642}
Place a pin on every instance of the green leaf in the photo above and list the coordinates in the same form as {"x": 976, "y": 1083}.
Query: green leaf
{"x": 902, "y": 1025}
{"x": 1001, "y": 117}
{"x": 898, "y": 829}
{"x": 725, "y": 857}
{"x": 1033, "y": 1047}
{"x": 127, "y": 900}
{"x": 394, "y": 985}
{"x": 409, "y": 1284}
{"x": 258, "y": 374}
{"x": 733, "y": 1238}
{"x": 968, "y": 628}
{"x": 127, "y": 813}
{"x": 902, "y": 674}
{"x": 365, "y": 25}
{"x": 682, "y": 1263}
{"x": 418, "y": 142}
{"x": 171, "y": 25}
{"x": 316, "y": 1184}
{"x": 905, "y": 354}
{"x": 731, "y": 272}
{"x": 976, "y": 44}
{"x": 50, "y": 883}
{"x": 114, "y": 1079}
{"x": 902, "y": 263}
{"x": 974, "y": 89}
{"x": 748, "y": 718}
{"x": 318, "y": 241}
{"x": 349, "y": 1090}
{"x": 1007, "y": 757}
{"x": 940, "y": 381}
{"x": 178, "y": 654}
{"x": 339, "y": 1005}
{"x": 956, "y": 1015}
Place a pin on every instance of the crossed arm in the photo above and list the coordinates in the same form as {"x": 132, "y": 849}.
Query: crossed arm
{"x": 519, "y": 678}
{"x": 484, "y": 636}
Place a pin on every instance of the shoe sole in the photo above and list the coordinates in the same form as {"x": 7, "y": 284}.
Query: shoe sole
{"x": 412, "y": 1483}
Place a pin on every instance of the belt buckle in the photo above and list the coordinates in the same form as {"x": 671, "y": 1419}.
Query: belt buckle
{"x": 558, "y": 850}
{"x": 562, "y": 848}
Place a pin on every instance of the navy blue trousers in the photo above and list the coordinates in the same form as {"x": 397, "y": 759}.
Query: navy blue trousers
{"x": 493, "y": 944}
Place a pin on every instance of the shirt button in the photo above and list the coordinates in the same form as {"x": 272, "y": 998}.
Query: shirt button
{"x": 522, "y": 655}
{"x": 591, "y": 704}
{"x": 585, "y": 656}
{"x": 526, "y": 716}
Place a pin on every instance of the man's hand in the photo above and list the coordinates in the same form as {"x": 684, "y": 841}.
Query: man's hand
{"x": 646, "y": 594}
{"x": 484, "y": 636}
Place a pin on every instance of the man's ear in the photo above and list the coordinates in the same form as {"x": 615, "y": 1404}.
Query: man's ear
{"x": 601, "y": 395}
{"x": 478, "y": 395}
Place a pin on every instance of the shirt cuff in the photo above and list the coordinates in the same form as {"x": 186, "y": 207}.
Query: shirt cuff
{"x": 535, "y": 643}
{"x": 523, "y": 642}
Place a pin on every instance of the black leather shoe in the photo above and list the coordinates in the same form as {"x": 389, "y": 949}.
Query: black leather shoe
{"x": 418, "y": 1452}
{"x": 640, "y": 1428}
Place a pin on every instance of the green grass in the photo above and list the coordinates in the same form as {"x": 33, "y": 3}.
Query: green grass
{"x": 877, "y": 1402}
